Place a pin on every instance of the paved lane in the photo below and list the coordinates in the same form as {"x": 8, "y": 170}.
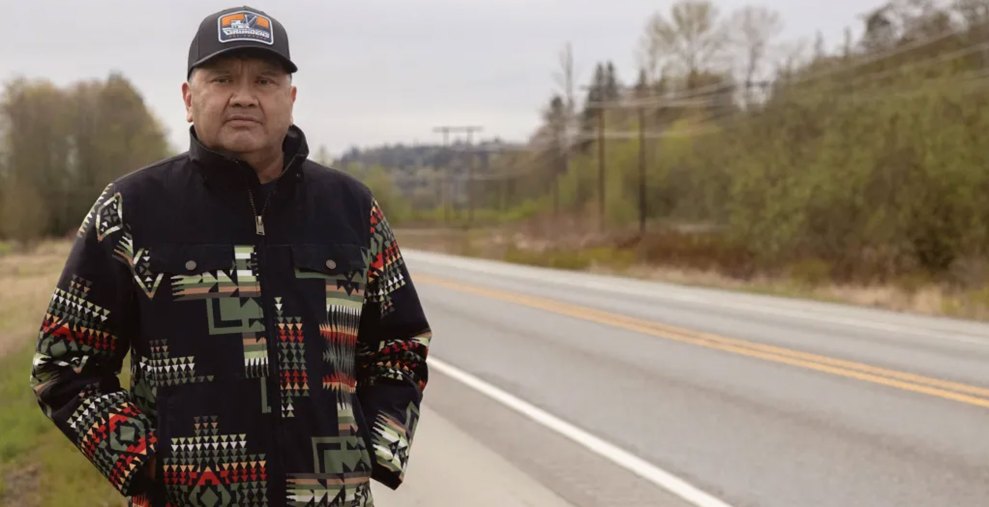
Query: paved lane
{"x": 755, "y": 400}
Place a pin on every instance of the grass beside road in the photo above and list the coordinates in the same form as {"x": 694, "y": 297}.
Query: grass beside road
{"x": 38, "y": 465}
{"x": 686, "y": 260}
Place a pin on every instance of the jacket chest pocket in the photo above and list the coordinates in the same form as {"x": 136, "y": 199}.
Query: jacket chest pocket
{"x": 206, "y": 320}
{"x": 338, "y": 273}
{"x": 332, "y": 279}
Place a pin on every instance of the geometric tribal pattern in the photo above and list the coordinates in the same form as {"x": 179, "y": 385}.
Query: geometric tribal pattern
{"x": 254, "y": 337}
{"x": 142, "y": 393}
{"x": 222, "y": 374}
{"x": 139, "y": 263}
{"x": 340, "y": 343}
{"x": 87, "y": 221}
{"x": 113, "y": 434}
{"x": 385, "y": 274}
{"x": 170, "y": 371}
{"x": 291, "y": 359}
{"x": 75, "y": 324}
{"x": 246, "y": 264}
{"x": 403, "y": 360}
{"x": 109, "y": 216}
{"x": 212, "y": 468}
{"x": 77, "y": 355}
{"x": 339, "y": 333}
{"x": 392, "y": 439}
{"x": 205, "y": 285}
{"x": 235, "y": 315}
{"x": 342, "y": 477}
{"x": 255, "y": 357}
{"x": 344, "y": 304}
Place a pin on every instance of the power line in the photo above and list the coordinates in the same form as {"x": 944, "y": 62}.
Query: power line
{"x": 889, "y": 54}
{"x": 469, "y": 130}
{"x": 788, "y": 85}
{"x": 935, "y": 59}
{"x": 892, "y": 52}
{"x": 636, "y": 102}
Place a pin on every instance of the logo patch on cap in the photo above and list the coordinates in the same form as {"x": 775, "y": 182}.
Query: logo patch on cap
{"x": 245, "y": 25}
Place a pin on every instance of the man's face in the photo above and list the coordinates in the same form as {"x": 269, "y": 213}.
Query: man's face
{"x": 240, "y": 104}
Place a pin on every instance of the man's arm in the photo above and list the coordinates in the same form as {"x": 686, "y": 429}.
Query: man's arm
{"x": 83, "y": 340}
{"x": 393, "y": 343}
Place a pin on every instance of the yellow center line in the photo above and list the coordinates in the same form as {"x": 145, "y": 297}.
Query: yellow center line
{"x": 963, "y": 393}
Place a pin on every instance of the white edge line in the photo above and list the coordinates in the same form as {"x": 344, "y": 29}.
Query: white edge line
{"x": 620, "y": 457}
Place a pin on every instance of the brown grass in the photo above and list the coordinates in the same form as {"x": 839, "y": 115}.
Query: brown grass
{"x": 23, "y": 486}
{"x": 38, "y": 465}
{"x": 928, "y": 300}
{"x": 27, "y": 278}
{"x": 698, "y": 259}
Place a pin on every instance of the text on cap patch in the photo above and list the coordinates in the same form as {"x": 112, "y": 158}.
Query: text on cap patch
{"x": 245, "y": 25}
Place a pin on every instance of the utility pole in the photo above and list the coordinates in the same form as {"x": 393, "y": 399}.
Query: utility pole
{"x": 446, "y": 130}
{"x": 601, "y": 210}
{"x": 470, "y": 173}
{"x": 557, "y": 168}
{"x": 642, "y": 171}
{"x": 445, "y": 179}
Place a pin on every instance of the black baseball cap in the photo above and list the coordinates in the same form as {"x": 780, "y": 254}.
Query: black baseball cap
{"x": 237, "y": 29}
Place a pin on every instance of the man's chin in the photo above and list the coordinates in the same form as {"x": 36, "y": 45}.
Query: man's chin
{"x": 241, "y": 144}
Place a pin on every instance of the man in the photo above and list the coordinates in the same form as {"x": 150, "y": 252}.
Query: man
{"x": 278, "y": 347}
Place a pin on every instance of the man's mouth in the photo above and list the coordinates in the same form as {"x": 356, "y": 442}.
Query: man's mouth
{"x": 242, "y": 119}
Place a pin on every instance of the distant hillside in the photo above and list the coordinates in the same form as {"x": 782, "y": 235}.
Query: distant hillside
{"x": 408, "y": 158}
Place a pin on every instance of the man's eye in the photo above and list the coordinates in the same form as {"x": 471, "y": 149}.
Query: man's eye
{"x": 221, "y": 80}
{"x": 265, "y": 81}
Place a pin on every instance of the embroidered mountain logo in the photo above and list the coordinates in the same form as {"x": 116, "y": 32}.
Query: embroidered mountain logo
{"x": 245, "y": 25}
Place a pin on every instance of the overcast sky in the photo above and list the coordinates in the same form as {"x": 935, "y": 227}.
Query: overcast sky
{"x": 372, "y": 71}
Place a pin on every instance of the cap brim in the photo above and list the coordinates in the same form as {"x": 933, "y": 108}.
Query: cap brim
{"x": 289, "y": 66}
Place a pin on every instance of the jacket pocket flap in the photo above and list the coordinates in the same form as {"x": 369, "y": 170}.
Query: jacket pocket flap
{"x": 328, "y": 259}
{"x": 174, "y": 258}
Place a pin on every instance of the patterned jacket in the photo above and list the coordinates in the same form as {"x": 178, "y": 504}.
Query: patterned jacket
{"x": 277, "y": 360}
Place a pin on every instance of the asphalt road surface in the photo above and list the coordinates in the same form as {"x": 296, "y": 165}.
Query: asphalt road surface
{"x": 558, "y": 388}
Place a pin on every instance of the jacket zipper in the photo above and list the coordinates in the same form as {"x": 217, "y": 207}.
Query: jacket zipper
{"x": 258, "y": 217}
{"x": 271, "y": 332}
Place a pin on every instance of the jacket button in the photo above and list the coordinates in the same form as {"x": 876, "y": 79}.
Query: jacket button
{"x": 190, "y": 265}
{"x": 330, "y": 263}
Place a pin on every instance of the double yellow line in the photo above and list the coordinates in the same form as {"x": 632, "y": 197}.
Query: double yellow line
{"x": 954, "y": 391}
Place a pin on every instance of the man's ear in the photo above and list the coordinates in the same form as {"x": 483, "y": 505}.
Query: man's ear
{"x": 294, "y": 90}
{"x": 187, "y": 98}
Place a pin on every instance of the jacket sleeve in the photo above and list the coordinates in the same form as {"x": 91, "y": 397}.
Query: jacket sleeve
{"x": 391, "y": 360}
{"x": 84, "y": 337}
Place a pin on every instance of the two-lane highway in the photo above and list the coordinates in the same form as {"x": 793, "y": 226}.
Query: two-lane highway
{"x": 643, "y": 393}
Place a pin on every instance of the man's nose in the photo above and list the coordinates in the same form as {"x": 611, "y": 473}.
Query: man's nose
{"x": 243, "y": 96}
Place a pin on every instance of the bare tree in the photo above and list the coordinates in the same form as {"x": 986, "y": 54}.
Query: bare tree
{"x": 903, "y": 21}
{"x": 975, "y": 13}
{"x": 687, "y": 42}
{"x": 753, "y": 30}
{"x": 566, "y": 78}
{"x": 975, "y": 16}
{"x": 555, "y": 130}
{"x": 921, "y": 19}
{"x": 794, "y": 56}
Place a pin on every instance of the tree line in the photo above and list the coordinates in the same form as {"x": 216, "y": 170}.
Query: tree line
{"x": 869, "y": 157}
{"x": 60, "y": 146}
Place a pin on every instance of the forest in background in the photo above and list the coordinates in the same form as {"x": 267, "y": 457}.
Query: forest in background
{"x": 866, "y": 161}
{"x": 60, "y": 146}
{"x": 731, "y": 150}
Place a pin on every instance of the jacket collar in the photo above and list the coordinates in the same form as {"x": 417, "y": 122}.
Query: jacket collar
{"x": 219, "y": 168}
